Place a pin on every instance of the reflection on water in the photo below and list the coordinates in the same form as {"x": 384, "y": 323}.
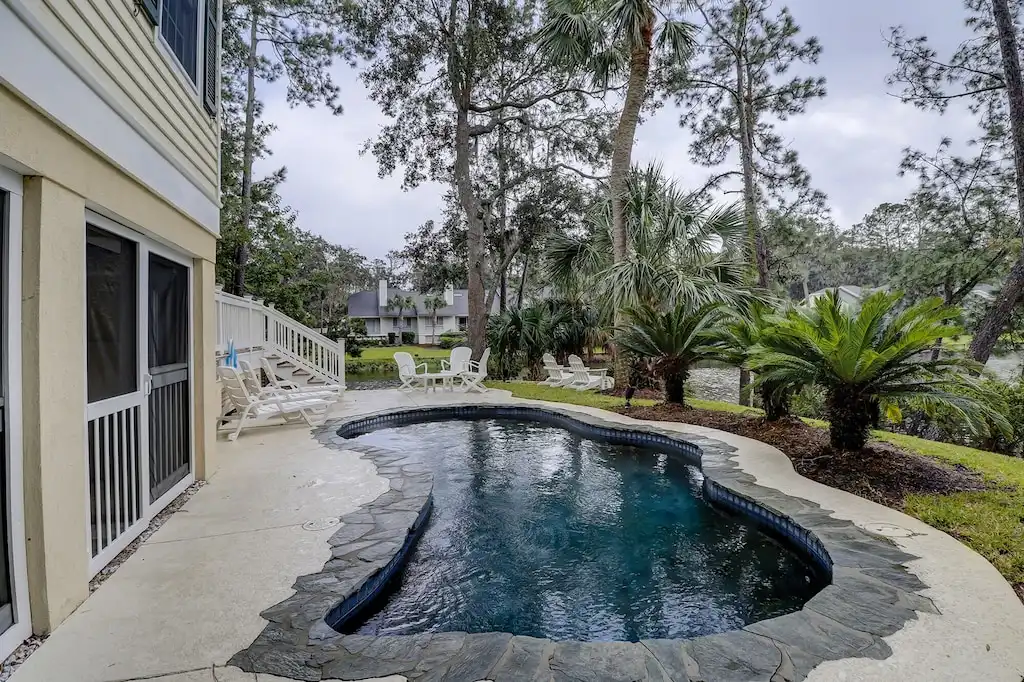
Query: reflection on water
{"x": 537, "y": 531}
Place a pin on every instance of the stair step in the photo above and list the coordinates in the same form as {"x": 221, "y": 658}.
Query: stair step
{"x": 315, "y": 381}
{"x": 300, "y": 373}
{"x": 285, "y": 364}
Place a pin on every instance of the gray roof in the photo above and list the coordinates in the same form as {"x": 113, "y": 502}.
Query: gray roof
{"x": 364, "y": 304}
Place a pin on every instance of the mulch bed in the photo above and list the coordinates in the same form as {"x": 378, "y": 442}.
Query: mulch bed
{"x": 881, "y": 472}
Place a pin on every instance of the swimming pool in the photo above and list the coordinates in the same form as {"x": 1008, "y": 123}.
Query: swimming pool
{"x": 540, "y": 531}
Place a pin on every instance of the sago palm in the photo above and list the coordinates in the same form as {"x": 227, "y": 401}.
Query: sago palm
{"x": 736, "y": 340}
{"x": 677, "y": 250}
{"x": 869, "y": 360}
{"x": 673, "y": 340}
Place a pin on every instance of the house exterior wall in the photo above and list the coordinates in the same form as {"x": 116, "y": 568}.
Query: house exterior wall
{"x": 115, "y": 45}
{"x": 93, "y": 117}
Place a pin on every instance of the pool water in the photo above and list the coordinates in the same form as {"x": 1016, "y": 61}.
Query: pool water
{"x": 539, "y": 531}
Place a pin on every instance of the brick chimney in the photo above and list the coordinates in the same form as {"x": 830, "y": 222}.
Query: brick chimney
{"x": 449, "y": 294}
{"x": 382, "y": 293}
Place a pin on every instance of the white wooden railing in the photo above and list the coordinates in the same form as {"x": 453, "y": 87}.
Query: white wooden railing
{"x": 259, "y": 329}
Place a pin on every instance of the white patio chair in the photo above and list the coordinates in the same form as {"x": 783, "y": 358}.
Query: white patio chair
{"x": 407, "y": 371}
{"x": 286, "y": 385}
{"x": 556, "y": 372}
{"x": 585, "y": 379}
{"x": 458, "y": 362}
{"x": 289, "y": 390}
{"x": 251, "y": 410}
{"x": 475, "y": 373}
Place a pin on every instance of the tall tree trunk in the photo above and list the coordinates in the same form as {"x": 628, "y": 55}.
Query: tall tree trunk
{"x": 477, "y": 323}
{"x": 995, "y": 320}
{"x": 248, "y": 151}
{"x": 502, "y": 215}
{"x": 744, "y": 387}
{"x": 522, "y": 278}
{"x": 622, "y": 153}
{"x": 745, "y": 120}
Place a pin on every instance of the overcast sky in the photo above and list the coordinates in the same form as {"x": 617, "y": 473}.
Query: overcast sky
{"x": 850, "y": 141}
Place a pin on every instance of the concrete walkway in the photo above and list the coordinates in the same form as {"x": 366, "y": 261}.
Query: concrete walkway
{"x": 190, "y": 598}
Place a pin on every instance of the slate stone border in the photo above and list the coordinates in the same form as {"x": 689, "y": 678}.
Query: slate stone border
{"x": 871, "y": 593}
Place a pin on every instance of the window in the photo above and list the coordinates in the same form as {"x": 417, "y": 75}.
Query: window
{"x": 179, "y": 25}
{"x": 191, "y": 31}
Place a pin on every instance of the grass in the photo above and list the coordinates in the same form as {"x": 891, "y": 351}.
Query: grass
{"x": 991, "y": 522}
{"x": 375, "y": 353}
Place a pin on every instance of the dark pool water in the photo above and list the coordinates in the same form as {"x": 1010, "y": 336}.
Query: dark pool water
{"x": 538, "y": 531}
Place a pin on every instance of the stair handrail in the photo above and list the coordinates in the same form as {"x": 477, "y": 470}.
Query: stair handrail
{"x": 327, "y": 361}
{"x": 327, "y": 364}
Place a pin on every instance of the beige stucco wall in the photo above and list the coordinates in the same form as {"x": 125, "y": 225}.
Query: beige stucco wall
{"x": 63, "y": 179}
{"x": 121, "y": 51}
{"x": 53, "y": 390}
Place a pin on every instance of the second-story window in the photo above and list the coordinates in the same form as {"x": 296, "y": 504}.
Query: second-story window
{"x": 191, "y": 31}
{"x": 179, "y": 25}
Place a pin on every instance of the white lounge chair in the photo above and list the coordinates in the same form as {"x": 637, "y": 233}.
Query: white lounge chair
{"x": 475, "y": 373}
{"x": 458, "y": 361}
{"x": 286, "y": 385}
{"x": 407, "y": 371}
{"x": 251, "y": 410}
{"x": 557, "y": 374}
{"x": 585, "y": 379}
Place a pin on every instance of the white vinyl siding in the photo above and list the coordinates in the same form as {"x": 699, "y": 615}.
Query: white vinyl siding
{"x": 118, "y": 48}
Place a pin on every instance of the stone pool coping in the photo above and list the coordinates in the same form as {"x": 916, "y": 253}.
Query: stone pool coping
{"x": 872, "y": 594}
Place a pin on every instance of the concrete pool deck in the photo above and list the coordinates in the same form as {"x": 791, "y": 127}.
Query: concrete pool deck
{"x": 192, "y": 595}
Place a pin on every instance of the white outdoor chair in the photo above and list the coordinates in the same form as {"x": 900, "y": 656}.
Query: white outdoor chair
{"x": 286, "y": 385}
{"x": 585, "y": 379}
{"x": 407, "y": 371}
{"x": 251, "y": 410}
{"x": 285, "y": 389}
{"x": 475, "y": 373}
{"x": 459, "y": 360}
{"x": 556, "y": 373}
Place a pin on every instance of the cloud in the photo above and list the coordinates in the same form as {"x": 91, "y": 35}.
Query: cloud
{"x": 850, "y": 142}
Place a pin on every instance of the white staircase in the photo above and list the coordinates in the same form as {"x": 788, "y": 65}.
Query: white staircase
{"x": 297, "y": 352}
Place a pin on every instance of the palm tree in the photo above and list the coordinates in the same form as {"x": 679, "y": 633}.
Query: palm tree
{"x": 521, "y": 334}
{"x": 674, "y": 340}
{"x": 399, "y": 303}
{"x": 610, "y": 39}
{"x": 433, "y": 303}
{"x": 737, "y": 338}
{"x": 870, "y": 360}
{"x": 679, "y": 250}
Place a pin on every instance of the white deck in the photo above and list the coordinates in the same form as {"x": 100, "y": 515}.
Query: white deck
{"x": 190, "y": 598}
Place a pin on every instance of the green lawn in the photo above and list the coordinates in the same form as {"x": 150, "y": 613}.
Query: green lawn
{"x": 388, "y": 352}
{"x": 991, "y": 522}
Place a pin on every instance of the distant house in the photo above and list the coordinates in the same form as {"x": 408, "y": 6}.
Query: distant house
{"x": 372, "y": 306}
{"x": 852, "y": 294}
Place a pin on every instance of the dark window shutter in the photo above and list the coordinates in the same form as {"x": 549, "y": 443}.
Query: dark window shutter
{"x": 149, "y": 9}
{"x": 211, "y": 77}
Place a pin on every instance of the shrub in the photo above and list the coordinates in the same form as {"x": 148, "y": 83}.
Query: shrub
{"x": 353, "y": 347}
{"x": 452, "y": 339}
{"x": 673, "y": 340}
{"x": 942, "y": 424}
{"x": 870, "y": 360}
{"x": 809, "y": 402}
{"x": 408, "y": 338}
